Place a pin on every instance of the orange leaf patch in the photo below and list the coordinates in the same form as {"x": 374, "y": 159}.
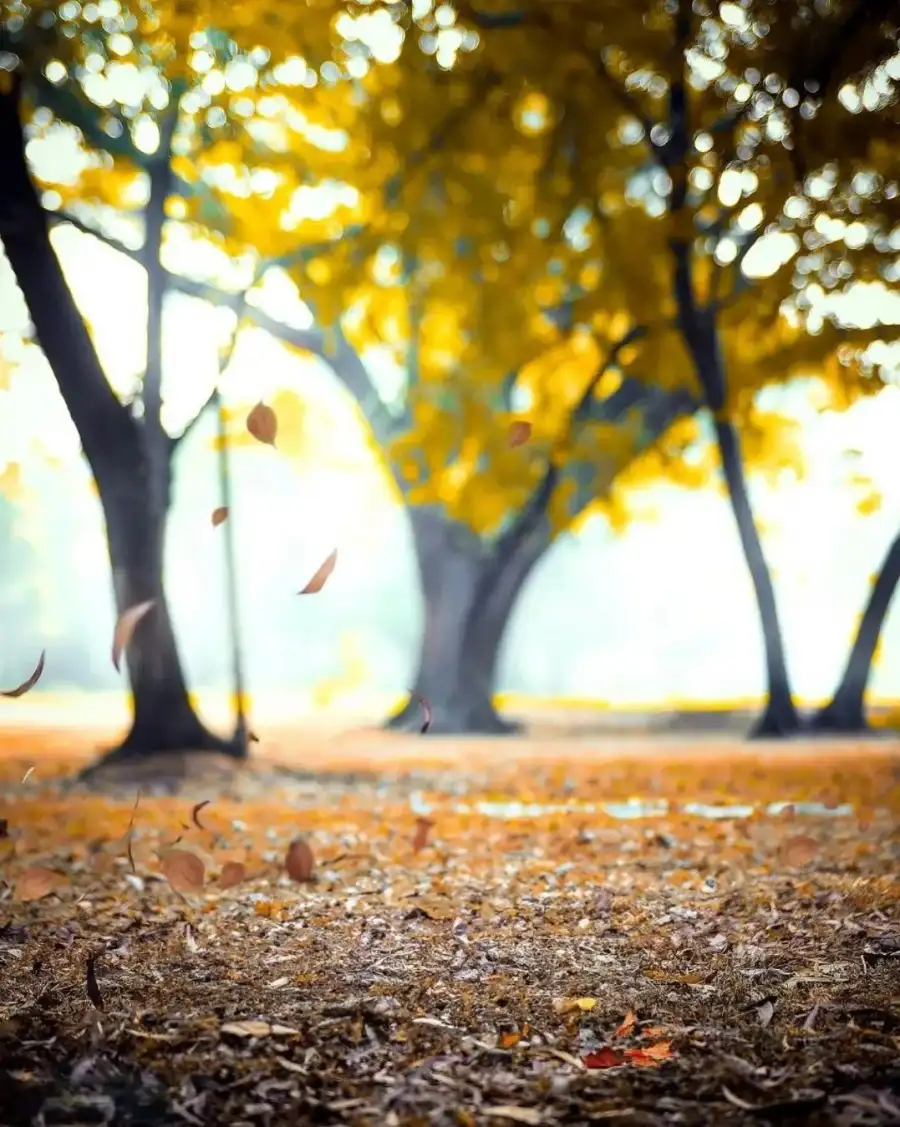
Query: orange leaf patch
{"x": 627, "y": 1026}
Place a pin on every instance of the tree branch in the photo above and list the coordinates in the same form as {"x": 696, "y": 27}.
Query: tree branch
{"x": 344, "y": 361}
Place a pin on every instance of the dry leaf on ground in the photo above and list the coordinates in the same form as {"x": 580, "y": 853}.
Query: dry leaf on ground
{"x": 257, "y": 1029}
{"x": 37, "y": 882}
{"x": 513, "y": 1114}
{"x": 299, "y": 861}
{"x": 628, "y": 1024}
{"x": 125, "y": 628}
{"x": 184, "y": 870}
{"x": 29, "y": 682}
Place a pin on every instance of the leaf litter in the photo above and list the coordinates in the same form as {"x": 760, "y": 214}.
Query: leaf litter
{"x": 548, "y": 969}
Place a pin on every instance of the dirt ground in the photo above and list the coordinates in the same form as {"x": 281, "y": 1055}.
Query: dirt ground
{"x": 541, "y": 931}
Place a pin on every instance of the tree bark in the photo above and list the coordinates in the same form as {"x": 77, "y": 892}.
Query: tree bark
{"x": 845, "y": 712}
{"x": 469, "y": 591}
{"x": 163, "y": 717}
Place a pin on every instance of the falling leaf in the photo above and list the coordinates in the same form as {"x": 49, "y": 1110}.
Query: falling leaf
{"x": 765, "y": 1012}
{"x": 195, "y": 812}
{"x": 233, "y": 872}
{"x": 519, "y": 433}
{"x": 184, "y": 871}
{"x": 125, "y": 627}
{"x": 93, "y": 987}
{"x": 262, "y": 423}
{"x": 27, "y": 775}
{"x": 37, "y": 882}
{"x": 4, "y": 828}
{"x": 789, "y": 812}
{"x": 427, "y": 715}
{"x": 253, "y": 737}
{"x": 799, "y": 850}
{"x": 420, "y": 837}
{"x": 514, "y": 1114}
{"x": 627, "y": 1026}
{"x": 257, "y": 1029}
{"x": 603, "y": 1058}
{"x": 299, "y": 861}
{"x": 219, "y": 515}
{"x": 21, "y": 690}
{"x": 319, "y": 580}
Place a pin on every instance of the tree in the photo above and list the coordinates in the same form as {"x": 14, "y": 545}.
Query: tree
{"x": 709, "y": 143}
{"x": 482, "y": 512}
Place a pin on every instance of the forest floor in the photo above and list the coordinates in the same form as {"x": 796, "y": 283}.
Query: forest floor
{"x": 687, "y": 931}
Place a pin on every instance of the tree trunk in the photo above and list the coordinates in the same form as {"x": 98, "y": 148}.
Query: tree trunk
{"x": 469, "y": 592}
{"x": 780, "y": 716}
{"x": 700, "y": 333}
{"x": 845, "y": 712}
{"x": 164, "y": 719}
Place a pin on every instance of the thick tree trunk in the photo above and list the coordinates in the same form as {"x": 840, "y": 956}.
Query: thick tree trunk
{"x": 845, "y": 712}
{"x": 134, "y": 507}
{"x": 469, "y": 592}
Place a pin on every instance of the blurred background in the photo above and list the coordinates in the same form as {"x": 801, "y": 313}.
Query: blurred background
{"x": 638, "y": 596}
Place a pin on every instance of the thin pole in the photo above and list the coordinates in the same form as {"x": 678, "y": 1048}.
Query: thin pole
{"x": 231, "y": 591}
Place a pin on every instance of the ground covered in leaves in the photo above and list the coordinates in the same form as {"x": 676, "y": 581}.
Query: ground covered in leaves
{"x": 547, "y": 935}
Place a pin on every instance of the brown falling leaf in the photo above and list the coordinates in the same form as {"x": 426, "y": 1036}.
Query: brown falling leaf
{"x": 37, "y": 882}
{"x": 262, "y": 423}
{"x": 299, "y": 861}
{"x": 195, "y": 814}
{"x": 519, "y": 433}
{"x": 125, "y": 628}
{"x": 184, "y": 870}
{"x": 233, "y": 872}
{"x": 427, "y": 714}
{"x": 628, "y": 1024}
{"x": 420, "y": 837}
{"x": 219, "y": 515}
{"x": 253, "y": 737}
{"x": 319, "y": 580}
{"x": 4, "y": 828}
{"x": 30, "y": 682}
{"x": 799, "y": 850}
{"x": 93, "y": 986}
{"x": 128, "y": 832}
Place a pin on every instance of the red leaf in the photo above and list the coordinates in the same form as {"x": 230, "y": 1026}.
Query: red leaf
{"x": 603, "y": 1058}
{"x": 21, "y": 690}
{"x": 299, "y": 861}
{"x": 125, "y": 627}
{"x": 319, "y": 580}
{"x": 196, "y": 810}
{"x": 262, "y": 423}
